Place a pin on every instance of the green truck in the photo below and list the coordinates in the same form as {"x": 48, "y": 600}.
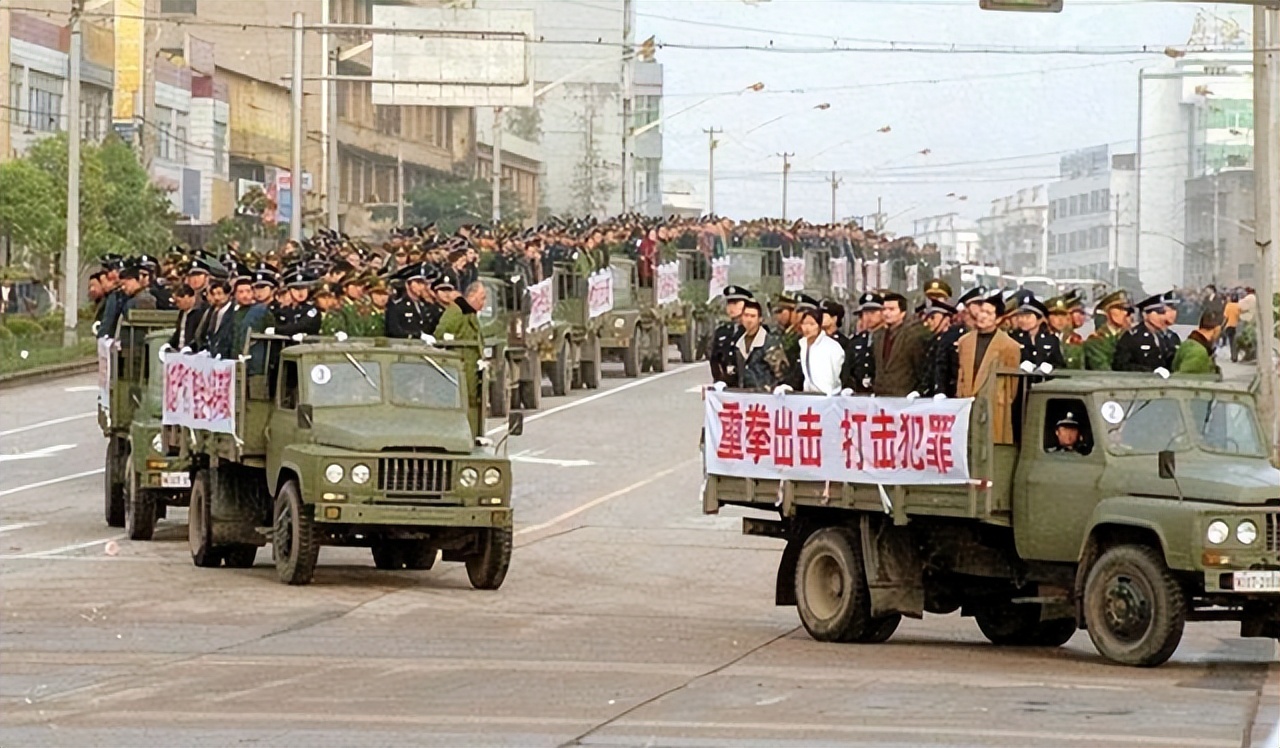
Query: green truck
{"x": 693, "y": 321}
{"x": 144, "y": 470}
{"x": 635, "y": 330}
{"x": 511, "y": 348}
{"x": 1166, "y": 511}
{"x": 354, "y": 443}
{"x": 569, "y": 348}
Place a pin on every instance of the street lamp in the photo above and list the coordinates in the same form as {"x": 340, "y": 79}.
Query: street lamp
{"x": 820, "y": 107}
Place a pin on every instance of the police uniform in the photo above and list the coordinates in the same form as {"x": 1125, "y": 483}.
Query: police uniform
{"x": 1040, "y": 346}
{"x": 1069, "y": 420}
{"x": 406, "y": 316}
{"x": 859, "y": 362}
{"x": 931, "y": 379}
{"x": 1141, "y": 348}
{"x": 948, "y": 371}
{"x": 433, "y": 311}
{"x": 301, "y": 318}
{"x": 722, "y": 356}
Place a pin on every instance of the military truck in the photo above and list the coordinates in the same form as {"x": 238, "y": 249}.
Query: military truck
{"x": 129, "y": 377}
{"x": 511, "y": 348}
{"x": 634, "y": 331}
{"x": 692, "y": 323}
{"x": 354, "y": 443}
{"x": 570, "y": 348}
{"x": 1167, "y": 512}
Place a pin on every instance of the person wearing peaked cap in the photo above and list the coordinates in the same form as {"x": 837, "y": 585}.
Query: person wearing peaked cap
{"x": 936, "y": 322}
{"x": 859, "y": 369}
{"x": 379, "y": 300}
{"x": 787, "y": 319}
{"x": 1058, "y": 310}
{"x": 1171, "y": 301}
{"x": 406, "y": 317}
{"x": 805, "y": 302}
{"x": 1145, "y": 348}
{"x": 721, "y": 355}
{"x": 982, "y": 351}
{"x": 443, "y": 292}
{"x": 937, "y": 289}
{"x": 1039, "y": 345}
{"x": 1066, "y": 434}
{"x": 301, "y": 315}
{"x": 1100, "y": 346}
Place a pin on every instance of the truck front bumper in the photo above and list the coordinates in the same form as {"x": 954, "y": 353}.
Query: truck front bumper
{"x": 418, "y": 516}
{"x": 1265, "y": 582}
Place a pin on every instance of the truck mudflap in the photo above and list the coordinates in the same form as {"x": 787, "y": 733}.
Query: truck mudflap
{"x": 424, "y": 516}
{"x": 893, "y": 567}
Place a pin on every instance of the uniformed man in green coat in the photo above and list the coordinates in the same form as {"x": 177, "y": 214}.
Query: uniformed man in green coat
{"x": 460, "y": 323}
{"x": 1101, "y": 345}
{"x": 1195, "y": 354}
{"x": 1069, "y": 340}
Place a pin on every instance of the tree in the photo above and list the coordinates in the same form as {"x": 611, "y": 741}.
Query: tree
{"x": 247, "y": 225}
{"x": 450, "y": 203}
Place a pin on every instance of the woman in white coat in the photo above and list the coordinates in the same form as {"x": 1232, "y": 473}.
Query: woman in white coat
{"x": 821, "y": 357}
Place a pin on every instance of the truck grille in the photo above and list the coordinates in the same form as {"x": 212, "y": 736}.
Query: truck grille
{"x": 411, "y": 475}
{"x": 1273, "y": 532}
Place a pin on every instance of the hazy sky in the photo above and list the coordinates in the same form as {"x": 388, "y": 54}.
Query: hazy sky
{"x": 989, "y": 113}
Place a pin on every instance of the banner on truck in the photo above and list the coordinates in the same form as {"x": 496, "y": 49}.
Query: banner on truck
{"x": 105, "y": 346}
{"x": 668, "y": 283}
{"x": 719, "y": 278}
{"x": 541, "y": 301}
{"x": 599, "y": 293}
{"x": 792, "y": 274}
{"x": 839, "y": 273}
{"x": 199, "y": 392}
{"x": 859, "y": 278}
{"x": 887, "y": 441}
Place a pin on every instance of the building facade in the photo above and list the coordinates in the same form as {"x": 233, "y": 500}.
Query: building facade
{"x": 957, "y": 238}
{"x": 1091, "y": 208}
{"x": 1220, "y": 246}
{"x": 1013, "y": 234}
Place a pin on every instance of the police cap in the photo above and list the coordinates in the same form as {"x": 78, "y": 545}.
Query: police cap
{"x": 870, "y": 302}
{"x": 937, "y": 288}
{"x": 737, "y": 293}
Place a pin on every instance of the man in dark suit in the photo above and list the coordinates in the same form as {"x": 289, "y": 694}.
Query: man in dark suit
{"x": 190, "y": 310}
{"x": 216, "y": 315}
{"x": 247, "y": 317}
{"x": 898, "y": 348}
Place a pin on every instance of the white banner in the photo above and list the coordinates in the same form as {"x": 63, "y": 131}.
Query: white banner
{"x": 792, "y": 274}
{"x": 719, "y": 277}
{"x": 541, "y": 301}
{"x": 913, "y": 277}
{"x": 199, "y": 392}
{"x": 839, "y": 274}
{"x": 105, "y": 347}
{"x": 859, "y": 280}
{"x": 599, "y": 293}
{"x": 889, "y": 441}
{"x": 886, "y": 274}
{"x": 872, "y": 270}
{"x": 667, "y": 283}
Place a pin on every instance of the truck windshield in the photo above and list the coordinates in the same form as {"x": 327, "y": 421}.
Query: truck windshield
{"x": 337, "y": 383}
{"x": 422, "y": 385}
{"x": 1145, "y": 427}
{"x": 1226, "y": 426}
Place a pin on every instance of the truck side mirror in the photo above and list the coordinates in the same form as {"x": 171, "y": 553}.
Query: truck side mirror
{"x": 304, "y": 416}
{"x": 1168, "y": 464}
{"x": 515, "y": 423}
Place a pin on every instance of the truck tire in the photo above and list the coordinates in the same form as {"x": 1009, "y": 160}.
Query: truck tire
{"x": 562, "y": 369}
{"x": 688, "y": 343}
{"x": 114, "y": 481}
{"x": 1053, "y": 633}
{"x": 240, "y": 555}
{"x": 295, "y": 542}
{"x": 530, "y": 393}
{"x": 631, "y": 355}
{"x": 200, "y": 524}
{"x": 388, "y": 555}
{"x": 831, "y": 590}
{"x": 419, "y": 555}
{"x": 499, "y": 392}
{"x": 1007, "y": 624}
{"x": 1134, "y": 607}
{"x": 590, "y": 370}
{"x": 139, "y": 510}
{"x": 487, "y": 568}
{"x": 658, "y": 362}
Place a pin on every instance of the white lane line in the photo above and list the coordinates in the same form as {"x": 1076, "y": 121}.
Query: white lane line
{"x": 54, "y": 422}
{"x": 51, "y": 481}
{"x": 82, "y": 388}
{"x": 596, "y": 396}
{"x": 37, "y": 454}
{"x": 604, "y": 499}
{"x": 19, "y": 526}
{"x": 65, "y": 548}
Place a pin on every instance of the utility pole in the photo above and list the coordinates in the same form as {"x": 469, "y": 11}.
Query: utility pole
{"x": 497, "y": 166}
{"x": 628, "y": 95}
{"x": 786, "y": 176}
{"x": 835, "y": 185}
{"x": 400, "y": 184}
{"x": 879, "y": 214}
{"x": 1216, "y": 240}
{"x": 1114, "y": 257}
{"x": 71, "y": 271}
{"x": 295, "y": 167}
{"x": 711, "y": 168}
{"x": 328, "y": 177}
{"x": 1266, "y": 79}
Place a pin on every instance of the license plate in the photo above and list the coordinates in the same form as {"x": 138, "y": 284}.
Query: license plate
{"x": 1255, "y": 581}
{"x": 175, "y": 480}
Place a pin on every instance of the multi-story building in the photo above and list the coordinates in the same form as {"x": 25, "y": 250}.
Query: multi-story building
{"x": 1090, "y": 207}
{"x": 1220, "y": 246}
{"x": 521, "y": 164}
{"x": 1013, "y": 233}
{"x": 645, "y": 170}
{"x": 956, "y": 238}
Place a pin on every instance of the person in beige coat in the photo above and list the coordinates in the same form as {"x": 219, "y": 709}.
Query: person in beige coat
{"x": 982, "y": 351}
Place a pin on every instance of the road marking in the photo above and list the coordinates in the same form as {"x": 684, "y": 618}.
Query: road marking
{"x": 604, "y": 499}
{"x": 42, "y": 452}
{"x": 18, "y": 526}
{"x": 65, "y": 548}
{"x": 51, "y": 481}
{"x": 54, "y": 422}
{"x": 534, "y": 458}
{"x": 593, "y": 398}
{"x": 82, "y": 388}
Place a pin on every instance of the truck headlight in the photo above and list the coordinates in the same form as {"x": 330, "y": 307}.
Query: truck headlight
{"x": 360, "y": 474}
{"x": 468, "y": 477}
{"x": 333, "y": 473}
{"x": 492, "y": 476}
{"x": 157, "y": 444}
{"x": 1246, "y": 532}
{"x": 1217, "y": 532}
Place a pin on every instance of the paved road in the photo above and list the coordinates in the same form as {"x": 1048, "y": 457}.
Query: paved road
{"x": 628, "y": 618}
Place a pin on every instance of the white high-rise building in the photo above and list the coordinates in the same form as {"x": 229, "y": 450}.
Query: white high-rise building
{"x": 1091, "y": 212}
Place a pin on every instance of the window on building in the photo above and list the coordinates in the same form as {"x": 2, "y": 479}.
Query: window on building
{"x": 17, "y": 106}
{"x": 647, "y": 110}
{"x": 95, "y": 112}
{"x": 220, "y": 147}
{"x": 387, "y": 119}
{"x": 44, "y": 102}
{"x": 178, "y": 6}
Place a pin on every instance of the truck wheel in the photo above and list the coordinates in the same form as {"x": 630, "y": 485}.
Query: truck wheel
{"x": 294, "y": 543}
{"x": 562, "y": 370}
{"x": 1133, "y": 606}
{"x": 590, "y": 370}
{"x": 530, "y": 393}
{"x": 831, "y": 590}
{"x": 388, "y": 555}
{"x": 499, "y": 394}
{"x": 114, "y": 481}
{"x": 688, "y": 343}
{"x": 659, "y": 360}
{"x": 1053, "y": 633}
{"x": 631, "y": 355}
{"x": 487, "y": 568}
{"x": 139, "y": 510}
{"x": 1007, "y": 624}
{"x": 240, "y": 555}
{"x": 200, "y": 524}
{"x": 419, "y": 555}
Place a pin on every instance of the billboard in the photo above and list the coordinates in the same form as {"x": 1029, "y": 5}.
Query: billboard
{"x": 462, "y": 57}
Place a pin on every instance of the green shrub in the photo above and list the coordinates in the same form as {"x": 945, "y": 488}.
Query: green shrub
{"x": 52, "y": 322}
{"x": 24, "y": 327}
{"x": 5, "y": 333}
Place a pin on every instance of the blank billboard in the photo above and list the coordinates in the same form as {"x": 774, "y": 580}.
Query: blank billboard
{"x": 455, "y": 57}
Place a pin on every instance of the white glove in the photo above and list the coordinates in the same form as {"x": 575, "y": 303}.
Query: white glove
{"x": 96, "y": 325}
{"x": 448, "y": 336}
{"x": 166, "y": 348}
{"x": 939, "y": 397}
{"x": 782, "y": 389}
{"x": 1027, "y": 366}
{"x": 482, "y": 364}
{"x": 299, "y": 337}
{"x": 23, "y": 355}
{"x": 340, "y": 336}
{"x": 1046, "y": 367}
{"x": 269, "y": 331}
{"x": 719, "y": 386}
{"x": 833, "y": 393}
{"x": 1162, "y": 372}
{"x": 428, "y": 339}
{"x": 846, "y": 392}
{"x": 911, "y": 396}
{"x": 185, "y": 349}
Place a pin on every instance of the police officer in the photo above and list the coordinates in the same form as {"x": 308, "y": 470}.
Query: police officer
{"x": 301, "y": 316}
{"x": 936, "y": 318}
{"x": 859, "y": 369}
{"x": 1100, "y": 346}
{"x": 722, "y": 358}
{"x": 407, "y": 315}
{"x": 1039, "y": 346}
{"x": 1066, "y": 434}
{"x": 1145, "y": 347}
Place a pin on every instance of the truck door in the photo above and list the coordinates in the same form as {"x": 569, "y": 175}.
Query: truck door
{"x": 1056, "y": 484}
